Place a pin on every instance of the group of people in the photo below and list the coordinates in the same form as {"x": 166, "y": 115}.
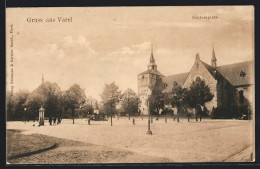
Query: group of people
{"x": 54, "y": 120}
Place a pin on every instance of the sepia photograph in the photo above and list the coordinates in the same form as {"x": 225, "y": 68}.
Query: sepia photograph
{"x": 123, "y": 85}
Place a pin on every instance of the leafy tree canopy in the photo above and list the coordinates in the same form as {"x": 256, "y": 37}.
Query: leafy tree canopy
{"x": 157, "y": 97}
{"x": 198, "y": 93}
{"x": 73, "y": 99}
{"x": 16, "y": 104}
{"x": 47, "y": 95}
{"x": 130, "y": 101}
{"x": 110, "y": 96}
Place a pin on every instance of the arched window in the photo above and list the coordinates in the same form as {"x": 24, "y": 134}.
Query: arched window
{"x": 197, "y": 78}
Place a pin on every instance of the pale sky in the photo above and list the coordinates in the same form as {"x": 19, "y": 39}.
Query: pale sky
{"x": 106, "y": 44}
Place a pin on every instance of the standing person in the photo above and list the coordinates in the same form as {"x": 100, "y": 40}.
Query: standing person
{"x": 54, "y": 120}
{"x": 50, "y": 120}
{"x": 188, "y": 115}
{"x": 58, "y": 120}
{"x": 178, "y": 111}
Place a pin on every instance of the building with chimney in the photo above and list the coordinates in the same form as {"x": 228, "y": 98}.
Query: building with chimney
{"x": 232, "y": 85}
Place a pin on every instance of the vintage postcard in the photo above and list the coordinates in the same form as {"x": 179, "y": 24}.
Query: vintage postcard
{"x": 98, "y": 85}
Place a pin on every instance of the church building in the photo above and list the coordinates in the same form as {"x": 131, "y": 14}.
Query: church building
{"x": 232, "y": 85}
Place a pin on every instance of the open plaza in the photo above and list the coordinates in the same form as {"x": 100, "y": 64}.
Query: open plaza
{"x": 171, "y": 141}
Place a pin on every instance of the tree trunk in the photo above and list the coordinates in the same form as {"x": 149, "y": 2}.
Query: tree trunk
{"x": 178, "y": 120}
{"x": 73, "y": 116}
{"x": 111, "y": 114}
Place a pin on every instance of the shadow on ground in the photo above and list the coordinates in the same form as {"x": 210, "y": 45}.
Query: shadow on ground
{"x": 41, "y": 149}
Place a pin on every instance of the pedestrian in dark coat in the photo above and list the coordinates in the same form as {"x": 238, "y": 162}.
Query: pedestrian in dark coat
{"x": 58, "y": 120}
{"x": 50, "y": 120}
{"x": 54, "y": 120}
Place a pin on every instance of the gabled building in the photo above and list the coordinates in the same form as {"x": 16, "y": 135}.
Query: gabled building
{"x": 232, "y": 85}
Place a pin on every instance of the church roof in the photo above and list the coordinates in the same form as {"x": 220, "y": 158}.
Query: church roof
{"x": 169, "y": 80}
{"x": 152, "y": 71}
{"x": 238, "y": 74}
{"x": 210, "y": 68}
{"x": 232, "y": 72}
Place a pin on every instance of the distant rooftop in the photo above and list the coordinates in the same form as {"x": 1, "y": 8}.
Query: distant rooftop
{"x": 178, "y": 78}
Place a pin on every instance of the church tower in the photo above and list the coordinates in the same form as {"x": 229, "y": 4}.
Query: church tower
{"x": 146, "y": 82}
{"x": 213, "y": 59}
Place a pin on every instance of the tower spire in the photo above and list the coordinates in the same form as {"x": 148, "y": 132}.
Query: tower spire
{"x": 42, "y": 78}
{"x": 152, "y": 60}
{"x": 152, "y": 64}
{"x": 213, "y": 58}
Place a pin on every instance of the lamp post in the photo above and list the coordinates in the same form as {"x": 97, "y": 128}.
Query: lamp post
{"x": 25, "y": 114}
{"x": 149, "y": 132}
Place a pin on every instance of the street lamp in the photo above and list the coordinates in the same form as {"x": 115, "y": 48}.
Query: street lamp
{"x": 25, "y": 114}
{"x": 149, "y": 132}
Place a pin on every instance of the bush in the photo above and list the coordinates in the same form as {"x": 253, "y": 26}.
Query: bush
{"x": 217, "y": 113}
{"x": 205, "y": 112}
{"x": 167, "y": 112}
{"x": 182, "y": 112}
{"x": 220, "y": 113}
